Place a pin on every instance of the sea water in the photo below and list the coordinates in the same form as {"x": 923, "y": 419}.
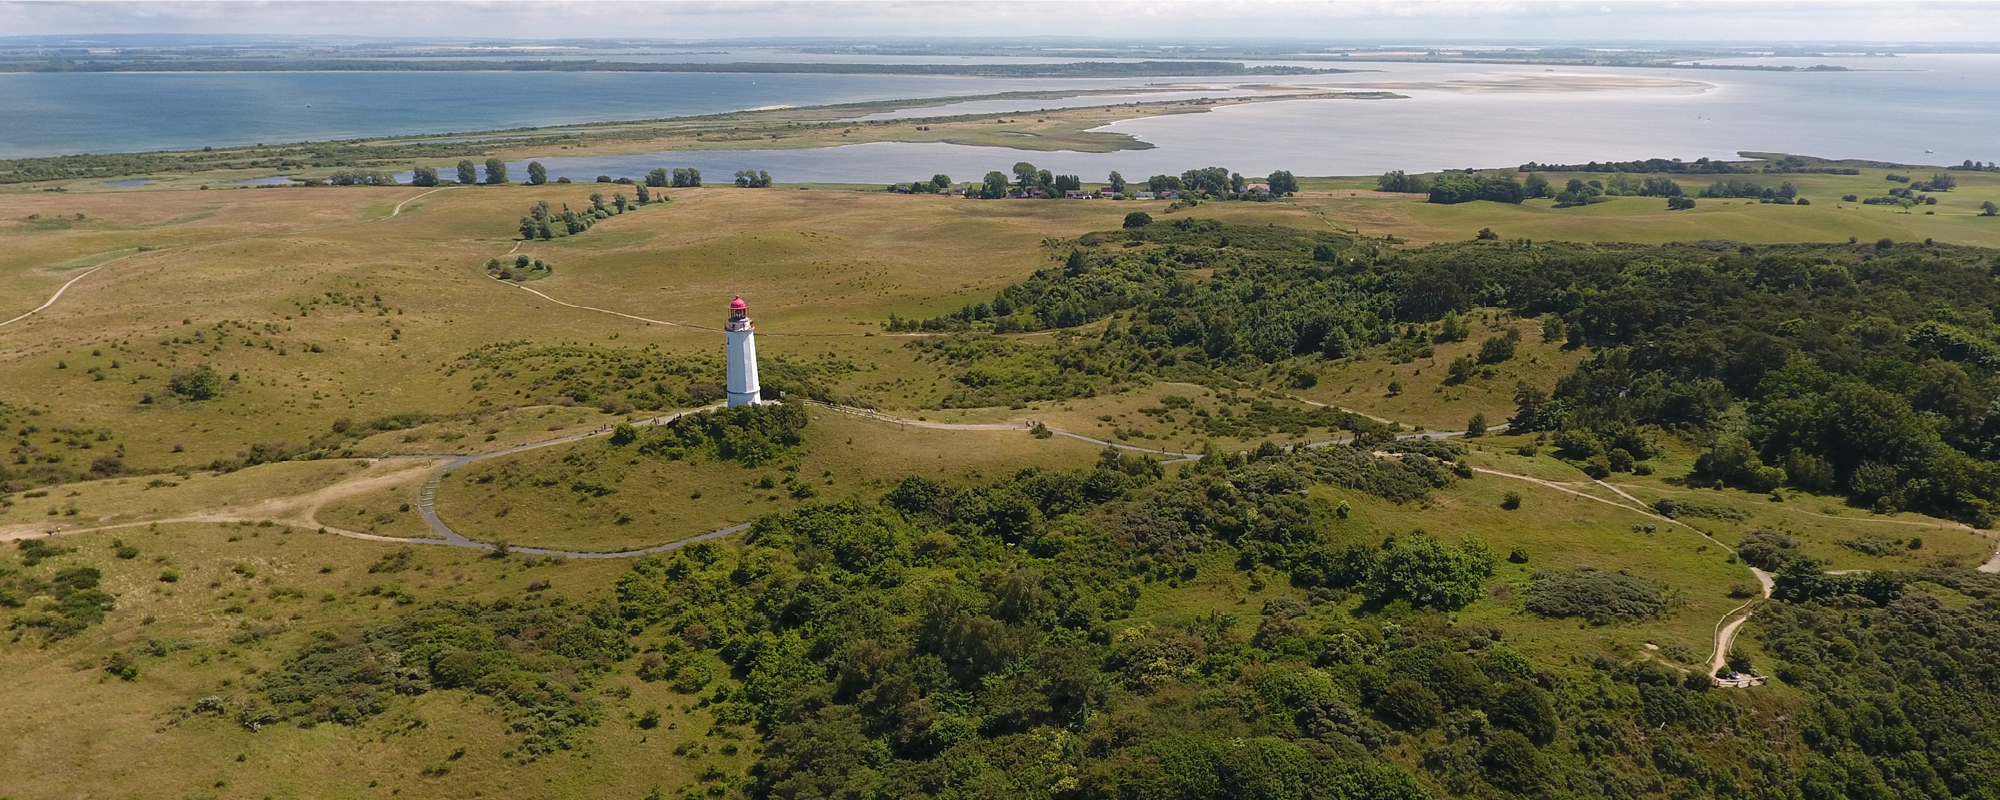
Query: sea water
{"x": 1917, "y": 109}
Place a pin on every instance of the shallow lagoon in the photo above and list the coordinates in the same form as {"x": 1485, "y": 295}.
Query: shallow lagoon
{"x": 1920, "y": 109}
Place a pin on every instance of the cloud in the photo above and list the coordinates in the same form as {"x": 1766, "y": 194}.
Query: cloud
{"x": 1327, "y": 20}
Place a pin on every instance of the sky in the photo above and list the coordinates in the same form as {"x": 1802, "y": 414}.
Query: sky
{"x": 1911, "y": 21}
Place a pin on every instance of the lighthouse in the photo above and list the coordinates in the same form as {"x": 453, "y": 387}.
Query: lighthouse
{"x": 742, "y": 354}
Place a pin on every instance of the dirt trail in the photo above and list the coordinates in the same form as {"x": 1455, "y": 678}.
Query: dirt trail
{"x": 393, "y": 213}
{"x": 297, "y": 511}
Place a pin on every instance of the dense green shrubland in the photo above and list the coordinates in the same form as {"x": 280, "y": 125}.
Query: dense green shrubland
{"x": 1863, "y": 370}
{"x": 957, "y": 641}
{"x": 748, "y": 434}
{"x": 535, "y": 660}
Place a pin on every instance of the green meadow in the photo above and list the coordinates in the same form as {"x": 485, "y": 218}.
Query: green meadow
{"x": 351, "y": 339}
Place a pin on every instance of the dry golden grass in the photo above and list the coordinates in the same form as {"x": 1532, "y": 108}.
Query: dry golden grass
{"x": 662, "y": 501}
{"x": 75, "y": 731}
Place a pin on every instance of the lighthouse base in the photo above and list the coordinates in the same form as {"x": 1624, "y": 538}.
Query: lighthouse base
{"x": 744, "y": 399}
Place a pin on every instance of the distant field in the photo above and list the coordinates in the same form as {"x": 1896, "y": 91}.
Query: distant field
{"x": 1352, "y": 204}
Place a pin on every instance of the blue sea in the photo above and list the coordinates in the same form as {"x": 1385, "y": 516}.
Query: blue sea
{"x": 1917, "y": 109}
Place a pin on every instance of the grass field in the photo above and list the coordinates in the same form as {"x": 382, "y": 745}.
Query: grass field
{"x": 359, "y": 323}
{"x": 652, "y": 500}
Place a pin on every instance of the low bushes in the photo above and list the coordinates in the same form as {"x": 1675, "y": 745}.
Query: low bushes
{"x": 1599, "y": 597}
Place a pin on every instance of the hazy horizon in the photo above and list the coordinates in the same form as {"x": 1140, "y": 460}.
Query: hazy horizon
{"x": 1522, "y": 21}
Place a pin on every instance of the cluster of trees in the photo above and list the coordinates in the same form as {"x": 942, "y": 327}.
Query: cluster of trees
{"x": 543, "y": 222}
{"x": 361, "y": 178}
{"x": 496, "y": 172}
{"x": 748, "y": 434}
{"x": 752, "y": 178}
{"x": 679, "y": 178}
{"x": 1465, "y": 187}
{"x": 1215, "y": 183}
{"x": 1863, "y": 370}
{"x": 937, "y": 183}
{"x": 953, "y": 640}
{"x": 1904, "y": 196}
{"x": 1975, "y": 166}
{"x": 1939, "y": 182}
{"x": 1669, "y": 166}
{"x": 1783, "y": 193}
{"x": 520, "y": 268}
{"x": 1398, "y": 181}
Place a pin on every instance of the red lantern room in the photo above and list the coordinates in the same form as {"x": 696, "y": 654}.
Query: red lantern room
{"x": 739, "y": 315}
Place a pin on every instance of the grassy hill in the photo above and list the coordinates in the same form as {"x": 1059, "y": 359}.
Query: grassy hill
{"x": 1223, "y": 617}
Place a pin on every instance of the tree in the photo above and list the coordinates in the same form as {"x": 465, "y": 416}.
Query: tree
{"x": 1282, "y": 183}
{"x": 1117, "y": 182}
{"x": 428, "y": 176}
{"x": 940, "y": 181}
{"x": 1578, "y": 193}
{"x": 1026, "y": 175}
{"x": 1486, "y": 235}
{"x": 1496, "y": 350}
{"x": 1988, "y": 209}
{"x": 496, "y": 171}
{"x": 1475, "y": 427}
{"x": 1427, "y": 572}
{"x": 467, "y": 173}
{"x": 537, "y": 174}
{"x": 200, "y": 383}
{"x": 1462, "y": 369}
{"x": 1680, "y": 203}
{"x": 1660, "y": 187}
{"x": 1452, "y": 328}
{"x": 1067, "y": 183}
{"x": 1511, "y": 762}
{"x": 1534, "y": 412}
{"x": 1409, "y": 705}
{"x": 1138, "y": 219}
{"x": 1207, "y": 180}
{"x": 1161, "y": 184}
{"x": 1554, "y": 329}
{"x": 658, "y": 177}
{"x": 995, "y": 185}
{"x": 686, "y": 177}
{"x": 1397, "y": 181}
{"x": 1459, "y": 187}
{"x": 1537, "y": 186}
{"x": 645, "y": 194}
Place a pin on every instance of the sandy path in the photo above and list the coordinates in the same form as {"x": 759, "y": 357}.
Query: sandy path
{"x": 65, "y": 287}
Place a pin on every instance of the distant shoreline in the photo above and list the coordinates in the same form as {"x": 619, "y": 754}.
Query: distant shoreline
{"x": 1076, "y": 69}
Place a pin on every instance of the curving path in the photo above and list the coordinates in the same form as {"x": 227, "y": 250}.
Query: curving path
{"x": 65, "y": 287}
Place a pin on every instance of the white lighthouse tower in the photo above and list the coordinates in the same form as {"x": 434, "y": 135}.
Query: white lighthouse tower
{"x": 742, "y": 354}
